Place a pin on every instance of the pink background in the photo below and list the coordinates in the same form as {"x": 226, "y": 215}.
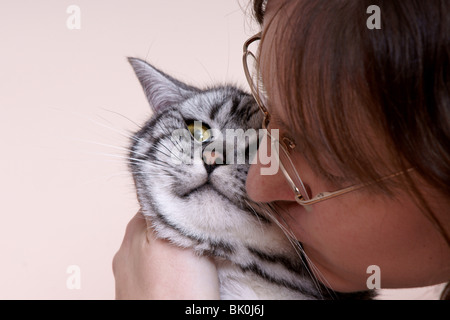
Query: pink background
{"x": 68, "y": 100}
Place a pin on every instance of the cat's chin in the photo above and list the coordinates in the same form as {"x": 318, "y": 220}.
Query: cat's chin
{"x": 208, "y": 191}
{"x": 189, "y": 192}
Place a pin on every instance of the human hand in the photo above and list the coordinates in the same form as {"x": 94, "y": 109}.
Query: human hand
{"x": 149, "y": 268}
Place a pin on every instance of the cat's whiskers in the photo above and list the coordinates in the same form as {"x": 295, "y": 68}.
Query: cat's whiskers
{"x": 110, "y": 146}
{"x": 123, "y": 116}
{"x": 175, "y": 143}
{"x": 255, "y": 213}
{"x": 117, "y": 156}
{"x": 128, "y": 157}
{"x": 168, "y": 155}
{"x": 294, "y": 243}
{"x": 317, "y": 274}
{"x": 309, "y": 265}
{"x": 123, "y": 133}
{"x": 119, "y": 174}
{"x": 107, "y": 177}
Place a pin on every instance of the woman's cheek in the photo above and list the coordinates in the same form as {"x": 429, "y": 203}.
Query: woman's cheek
{"x": 267, "y": 187}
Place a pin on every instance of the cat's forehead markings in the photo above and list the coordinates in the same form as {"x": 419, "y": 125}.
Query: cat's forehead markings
{"x": 215, "y": 109}
{"x": 221, "y": 110}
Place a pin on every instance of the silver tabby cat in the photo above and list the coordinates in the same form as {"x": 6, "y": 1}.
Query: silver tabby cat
{"x": 197, "y": 199}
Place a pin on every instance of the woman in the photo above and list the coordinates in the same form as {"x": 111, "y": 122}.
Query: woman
{"x": 364, "y": 114}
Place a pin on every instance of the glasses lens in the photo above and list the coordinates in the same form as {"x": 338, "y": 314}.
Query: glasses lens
{"x": 280, "y": 154}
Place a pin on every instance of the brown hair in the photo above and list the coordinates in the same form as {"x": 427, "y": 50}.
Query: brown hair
{"x": 370, "y": 101}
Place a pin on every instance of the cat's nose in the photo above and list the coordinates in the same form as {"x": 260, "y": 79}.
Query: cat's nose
{"x": 211, "y": 160}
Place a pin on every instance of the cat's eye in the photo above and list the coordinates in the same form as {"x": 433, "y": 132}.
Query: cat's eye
{"x": 199, "y": 131}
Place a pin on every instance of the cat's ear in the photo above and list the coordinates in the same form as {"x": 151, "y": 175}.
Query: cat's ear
{"x": 160, "y": 89}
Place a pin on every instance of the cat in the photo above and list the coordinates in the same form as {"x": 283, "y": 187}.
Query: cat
{"x": 195, "y": 197}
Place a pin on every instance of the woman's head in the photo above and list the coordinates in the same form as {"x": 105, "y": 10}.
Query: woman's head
{"x": 362, "y": 104}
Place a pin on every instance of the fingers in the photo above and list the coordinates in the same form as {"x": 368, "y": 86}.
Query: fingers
{"x": 136, "y": 229}
{"x": 150, "y": 268}
{"x": 136, "y": 223}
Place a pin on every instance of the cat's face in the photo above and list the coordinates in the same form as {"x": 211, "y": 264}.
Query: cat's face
{"x": 191, "y": 159}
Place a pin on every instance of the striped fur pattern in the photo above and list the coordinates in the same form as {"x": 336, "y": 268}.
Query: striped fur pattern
{"x": 206, "y": 208}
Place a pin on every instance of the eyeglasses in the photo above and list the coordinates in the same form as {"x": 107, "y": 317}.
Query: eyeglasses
{"x": 281, "y": 148}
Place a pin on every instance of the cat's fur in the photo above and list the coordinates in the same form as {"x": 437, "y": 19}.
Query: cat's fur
{"x": 206, "y": 207}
